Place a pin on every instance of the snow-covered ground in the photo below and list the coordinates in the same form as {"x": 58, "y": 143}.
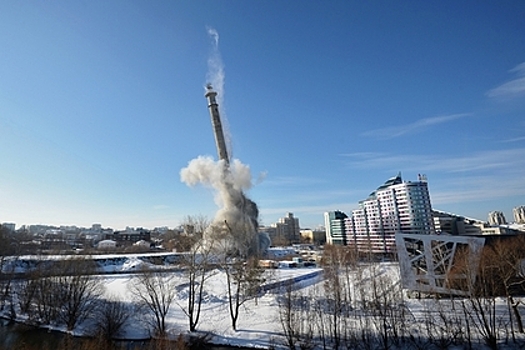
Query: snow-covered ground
{"x": 258, "y": 324}
{"x": 107, "y": 263}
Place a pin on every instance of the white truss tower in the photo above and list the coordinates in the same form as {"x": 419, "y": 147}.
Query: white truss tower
{"x": 426, "y": 262}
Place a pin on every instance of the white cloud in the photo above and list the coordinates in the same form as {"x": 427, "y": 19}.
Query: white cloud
{"x": 475, "y": 162}
{"x": 307, "y": 209}
{"x": 513, "y": 88}
{"x": 516, "y": 139}
{"x": 472, "y": 189}
{"x": 288, "y": 181}
{"x": 520, "y": 69}
{"x": 417, "y": 126}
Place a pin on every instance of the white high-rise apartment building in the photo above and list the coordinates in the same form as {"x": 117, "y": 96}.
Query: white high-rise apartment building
{"x": 497, "y": 218}
{"x": 519, "y": 214}
{"x": 396, "y": 206}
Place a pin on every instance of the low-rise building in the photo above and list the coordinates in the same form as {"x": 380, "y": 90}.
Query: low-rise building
{"x": 107, "y": 244}
{"x": 458, "y": 225}
{"x": 9, "y": 226}
{"x": 129, "y": 236}
{"x": 317, "y": 237}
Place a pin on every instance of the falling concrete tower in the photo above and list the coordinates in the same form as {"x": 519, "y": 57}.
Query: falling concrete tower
{"x": 216, "y": 123}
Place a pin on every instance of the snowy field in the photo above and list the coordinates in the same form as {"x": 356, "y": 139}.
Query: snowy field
{"x": 258, "y": 324}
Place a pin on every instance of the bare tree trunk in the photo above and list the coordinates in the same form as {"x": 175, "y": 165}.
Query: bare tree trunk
{"x": 156, "y": 292}
{"x": 243, "y": 274}
{"x": 286, "y": 317}
{"x": 196, "y": 268}
{"x": 514, "y": 305}
{"x": 78, "y": 290}
{"x": 9, "y": 252}
{"x": 111, "y": 317}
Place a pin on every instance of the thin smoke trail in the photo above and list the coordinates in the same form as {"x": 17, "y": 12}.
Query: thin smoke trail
{"x": 216, "y": 77}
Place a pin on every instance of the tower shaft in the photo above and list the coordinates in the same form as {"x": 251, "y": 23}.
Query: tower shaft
{"x": 213, "y": 107}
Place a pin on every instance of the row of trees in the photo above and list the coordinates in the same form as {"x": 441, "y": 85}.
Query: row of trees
{"x": 359, "y": 306}
{"x": 66, "y": 293}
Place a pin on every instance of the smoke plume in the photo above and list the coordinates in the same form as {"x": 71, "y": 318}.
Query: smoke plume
{"x": 237, "y": 217}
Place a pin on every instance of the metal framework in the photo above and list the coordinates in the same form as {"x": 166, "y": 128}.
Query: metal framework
{"x": 426, "y": 262}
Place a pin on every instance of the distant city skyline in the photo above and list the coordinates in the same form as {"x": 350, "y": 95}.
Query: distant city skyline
{"x": 102, "y": 104}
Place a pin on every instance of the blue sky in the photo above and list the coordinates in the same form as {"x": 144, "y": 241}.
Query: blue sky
{"x": 102, "y": 104}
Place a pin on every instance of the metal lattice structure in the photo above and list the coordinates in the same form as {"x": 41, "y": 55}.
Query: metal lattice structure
{"x": 426, "y": 262}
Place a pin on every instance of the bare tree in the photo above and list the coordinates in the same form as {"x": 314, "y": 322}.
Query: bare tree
{"x": 35, "y": 297}
{"x": 8, "y": 255}
{"x": 508, "y": 255}
{"x": 196, "y": 265}
{"x": 195, "y": 225}
{"x": 386, "y": 307}
{"x": 27, "y": 290}
{"x": 193, "y": 231}
{"x": 243, "y": 279}
{"x": 480, "y": 308}
{"x": 60, "y": 291}
{"x": 47, "y": 297}
{"x": 499, "y": 275}
{"x": 333, "y": 302}
{"x": 337, "y": 265}
{"x": 111, "y": 317}
{"x": 77, "y": 290}
{"x": 317, "y": 316}
{"x": 240, "y": 264}
{"x": 287, "y": 317}
{"x": 296, "y": 319}
{"x": 155, "y": 291}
